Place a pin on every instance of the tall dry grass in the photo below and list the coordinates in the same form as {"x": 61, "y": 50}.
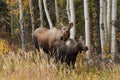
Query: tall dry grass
{"x": 14, "y": 66}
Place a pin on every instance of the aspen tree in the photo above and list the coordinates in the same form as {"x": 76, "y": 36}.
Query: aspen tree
{"x": 21, "y": 24}
{"x": 72, "y": 20}
{"x": 113, "y": 33}
{"x": 47, "y": 14}
{"x": 87, "y": 28}
{"x": 41, "y": 12}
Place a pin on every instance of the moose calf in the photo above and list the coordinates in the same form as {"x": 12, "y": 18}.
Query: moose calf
{"x": 67, "y": 51}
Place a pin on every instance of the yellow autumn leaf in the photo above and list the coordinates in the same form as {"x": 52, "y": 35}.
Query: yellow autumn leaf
{"x": 16, "y": 12}
{"x": 108, "y": 55}
{"x": 25, "y": 3}
{"x": 3, "y": 46}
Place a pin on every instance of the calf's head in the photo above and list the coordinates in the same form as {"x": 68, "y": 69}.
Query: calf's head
{"x": 81, "y": 45}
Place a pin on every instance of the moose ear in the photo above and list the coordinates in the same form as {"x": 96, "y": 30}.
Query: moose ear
{"x": 61, "y": 24}
{"x": 70, "y": 25}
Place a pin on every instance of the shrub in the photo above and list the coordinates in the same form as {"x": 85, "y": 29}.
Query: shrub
{"x": 4, "y": 47}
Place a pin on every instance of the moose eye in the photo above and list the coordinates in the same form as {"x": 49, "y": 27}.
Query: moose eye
{"x": 80, "y": 44}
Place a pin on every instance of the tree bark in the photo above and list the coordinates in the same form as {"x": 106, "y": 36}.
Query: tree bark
{"x": 56, "y": 11}
{"x": 102, "y": 36}
{"x": 68, "y": 10}
{"x": 87, "y": 28}
{"x": 21, "y": 25}
{"x": 47, "y": 14}
{"x": 72, "y": 20}
{"x": 41, "y": 12}
{"x": 109, "y": 22}
{"x": 32, "y": 15}
{"x": 105, "y": 22}
{"x": 113, "y": 34}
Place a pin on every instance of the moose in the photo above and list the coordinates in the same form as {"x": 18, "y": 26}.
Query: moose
{"x": 67, "y": 51}
{"x": 44, "y": 37}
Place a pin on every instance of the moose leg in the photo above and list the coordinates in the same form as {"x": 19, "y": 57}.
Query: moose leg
{"x": 35, "y": 42}
{"x": 73, "y": 64}
{"x": 73, "y": 61}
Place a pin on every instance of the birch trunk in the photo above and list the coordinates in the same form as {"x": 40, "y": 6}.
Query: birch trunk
{"x": 72, "y": 14}
{"x": 105, "y": 21}
{"x": 109, "y": 22}
{"x": 41, "y": 12}
{"x": 56, "y": 11}
{"x": 21, "y": 24}
{"x": 113, "y": 34}
{"x": 47, "y": 14}
{"x": 87, "y": 28}
{"x": 102, "y": 37}
{"x": 32, "y": 15}
{"x": 68, "y": 10}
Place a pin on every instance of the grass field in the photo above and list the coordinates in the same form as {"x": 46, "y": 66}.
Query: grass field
{"x": 13, "y": 66}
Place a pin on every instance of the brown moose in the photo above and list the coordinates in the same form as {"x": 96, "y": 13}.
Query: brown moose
{"x": 45, "y": 37}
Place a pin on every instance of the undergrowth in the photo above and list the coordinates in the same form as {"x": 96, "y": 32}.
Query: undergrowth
{"x": 31, "y": 67}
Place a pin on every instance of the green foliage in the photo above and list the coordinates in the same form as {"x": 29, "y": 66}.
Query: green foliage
{"x": 3, "y": 9}
{"x": 79, "y": 14}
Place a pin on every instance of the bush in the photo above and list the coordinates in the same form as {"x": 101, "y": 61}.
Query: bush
{"x": 4, "y": 47}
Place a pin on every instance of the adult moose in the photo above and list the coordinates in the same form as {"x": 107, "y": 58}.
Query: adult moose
{"x": 45, "y": 37}
{"x": 67, "y": 51}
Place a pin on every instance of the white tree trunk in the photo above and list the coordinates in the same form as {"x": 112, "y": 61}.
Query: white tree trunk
{"x": 105, "y": 21}
{"x": 41, "y": 12}
{"x": 102, "y": 37}
{"x": 87, "y": 28}
{"x": 21, "y": 24}
{"x": 113, "y": 34}
{"x": 68, "y": 10}
{"x": 109, "y": 22}
{"x": 72, "y": 14}
{"x": 47, "y": 14}
{"x": 32, "y": 15}
{"x": 56, "y": 11}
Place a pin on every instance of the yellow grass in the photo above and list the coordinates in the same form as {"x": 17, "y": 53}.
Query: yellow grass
{"x": 13, "y": 66}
